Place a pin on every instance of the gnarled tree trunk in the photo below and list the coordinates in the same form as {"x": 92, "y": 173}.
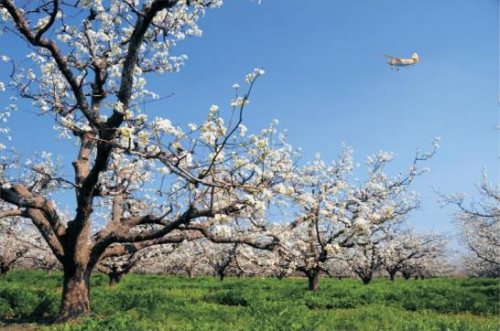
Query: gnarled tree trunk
{"x": 75, "y": 301}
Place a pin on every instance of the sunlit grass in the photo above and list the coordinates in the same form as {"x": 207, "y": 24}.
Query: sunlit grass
{"x": 151, "y": 302}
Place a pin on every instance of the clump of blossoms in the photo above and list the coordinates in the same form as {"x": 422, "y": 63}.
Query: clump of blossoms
{"x": 94, "y": 54}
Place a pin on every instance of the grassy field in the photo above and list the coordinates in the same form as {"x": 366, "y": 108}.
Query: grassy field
{"x": 149, "y": 302}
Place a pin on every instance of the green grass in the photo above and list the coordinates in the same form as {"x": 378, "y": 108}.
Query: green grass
{"x": 149, "y": 302}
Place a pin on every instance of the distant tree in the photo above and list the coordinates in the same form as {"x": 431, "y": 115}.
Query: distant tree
{"x": 188, "y": 258}
{"x": 253, "y": 262}
{"x": 365, "y": 261}
{"x": 118, "y": 266}
{"x": 274, "y": 264}
{"x": 479, "y": 222}
{"x": 369, "y": 255}
{"x": 419, "y": 253}
{"x": 46, "y": 261}
{"x": 438, "y": 265}
{"x": 475, "y": 267}
{"x": 339, "y": 268}
{"x": 408, "y": 252}
{"x": 221, "y": 258}
{"x": 19, "y": 241}
{"x": 334, "y": 212}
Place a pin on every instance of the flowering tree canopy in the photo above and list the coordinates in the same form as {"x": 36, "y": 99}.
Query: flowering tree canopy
{"x": 335, "y": 212}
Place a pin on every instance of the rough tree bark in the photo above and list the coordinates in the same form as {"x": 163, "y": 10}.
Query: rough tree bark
{"x": 76, "y": 293}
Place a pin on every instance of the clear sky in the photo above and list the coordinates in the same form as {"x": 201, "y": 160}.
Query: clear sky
{"x": 327, "y": 83}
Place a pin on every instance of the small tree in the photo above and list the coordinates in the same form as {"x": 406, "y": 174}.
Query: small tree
{"x": 46, "y": 261}
{"x": 221, "y": 258}
{"x": 188, "y": 258}
{"x": 335, "y": 212}
{"x": 338, "y": 267}
{"x": 417, "y": 254}
{"x": 20, "y": 241}
{"x": 365, "y": 261}
{"x": 475, "y": 267}
{"x": 118, "y": 266}
{"x": 479, "y": 223}
{"x": 408, "y": 250}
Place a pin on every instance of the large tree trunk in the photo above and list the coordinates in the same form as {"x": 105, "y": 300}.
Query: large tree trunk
{"x": 313, "y": 278}
{"x": 75, "y": 301}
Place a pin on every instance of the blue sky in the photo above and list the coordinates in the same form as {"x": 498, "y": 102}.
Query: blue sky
{"x": 327, "y": 83}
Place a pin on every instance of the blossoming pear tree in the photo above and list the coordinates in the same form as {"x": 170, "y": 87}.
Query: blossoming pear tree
{"x": 474, "y": 267}
{"x": 189, "y": 258}
{"x": 116, "y": 267}
{"x": 368, "y": 256}
{"x": 252, "y": 262}
{"x": 20, "y": 242}
{"x": 136, "y": 179}
{"x": 479, "y": 222}
{"x": 334, "y": 212}
{"x": 265, "y": 263}
{"x": 45, "y": 261}
{"x": 365, "y": 260}
{"x": 407, "y": 248}
{"x": 338, "y": 267}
